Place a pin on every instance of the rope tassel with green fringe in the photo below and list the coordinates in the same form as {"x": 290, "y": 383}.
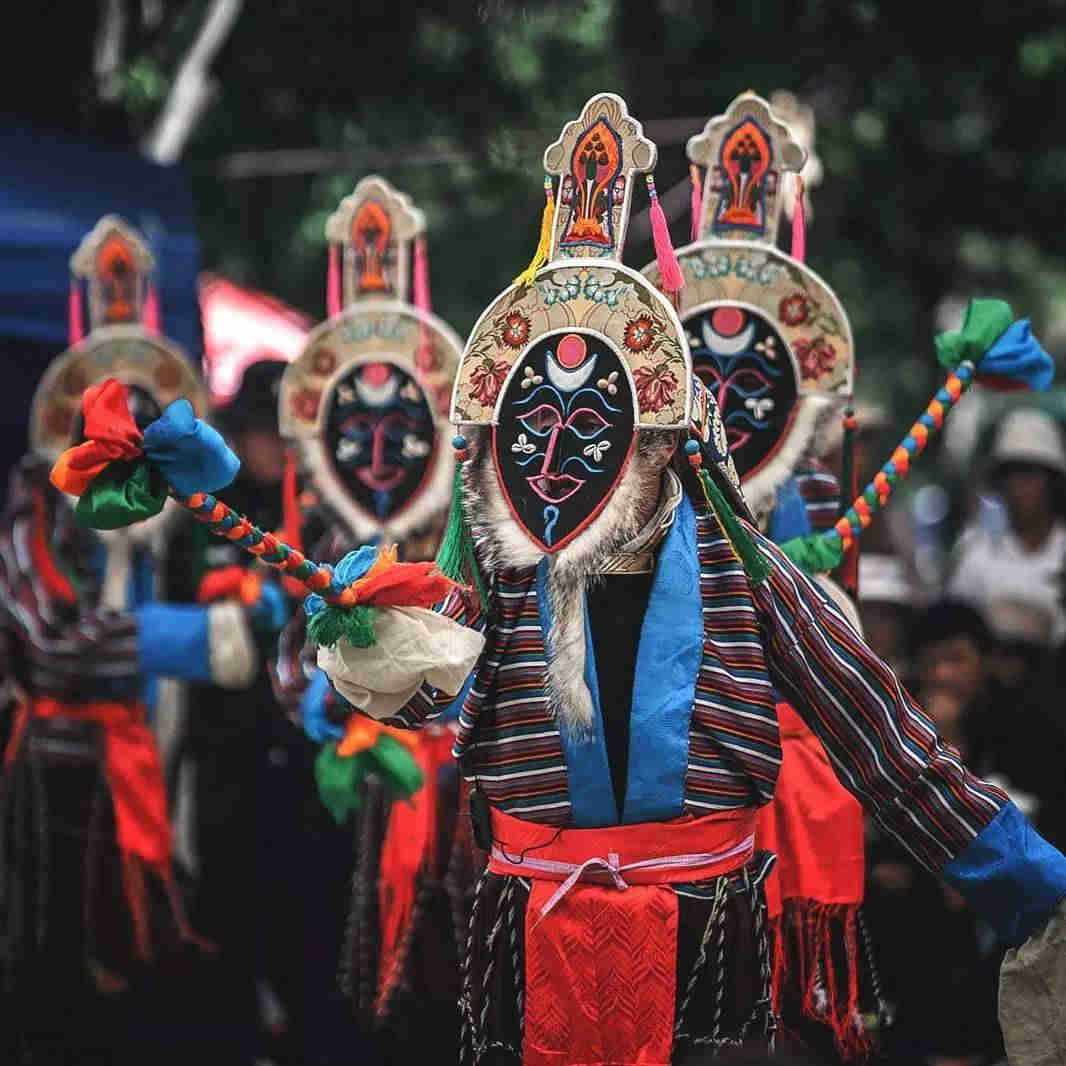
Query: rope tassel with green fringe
{"x": 992, "y": 349}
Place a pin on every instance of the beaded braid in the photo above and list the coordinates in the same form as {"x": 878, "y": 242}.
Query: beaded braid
{"x": 859, "y": 515}
{"x": 223, "y": 521}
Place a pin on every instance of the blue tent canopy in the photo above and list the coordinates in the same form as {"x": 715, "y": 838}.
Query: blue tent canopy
{"x": 53, "y": 190}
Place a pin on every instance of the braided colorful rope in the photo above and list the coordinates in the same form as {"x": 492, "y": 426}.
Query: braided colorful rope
{"x": 223, "y": 521}
{"x": 122, "y": 476}
{"x": 877, "y": 492}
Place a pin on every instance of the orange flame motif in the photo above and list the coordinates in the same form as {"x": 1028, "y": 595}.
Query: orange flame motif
{"x": 596, "y": 162}
{"x": 745, "y": 159}
{"x": 118, "y": 280}
{"x": 371, "y": 231}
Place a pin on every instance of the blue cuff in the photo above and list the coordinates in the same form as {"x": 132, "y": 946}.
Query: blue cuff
{"x": 313, "y": 710}
{"x": 172, "y": 641}
{"x": 1011, "y": 876}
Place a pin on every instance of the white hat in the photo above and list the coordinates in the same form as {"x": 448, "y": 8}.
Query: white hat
{"x": 884, "y": 579}
{"x": 1027, "y": 435}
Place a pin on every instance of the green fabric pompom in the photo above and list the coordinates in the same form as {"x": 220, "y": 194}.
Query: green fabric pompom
{"x": 815, "y": 553}
{"x": 397, "y": 767}
{"x": 984, "y": 322}
{"x": 353, "y": 624}
{"x": 123, "y": 493}
{"x": 340, "y": 779}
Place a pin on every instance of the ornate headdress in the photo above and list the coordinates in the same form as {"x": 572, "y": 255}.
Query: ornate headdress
{"x": 367, "y": 398}
{"x": 575, "y": 358}
{"x": 767, "y": 336}
{"x": 123, "y": 342}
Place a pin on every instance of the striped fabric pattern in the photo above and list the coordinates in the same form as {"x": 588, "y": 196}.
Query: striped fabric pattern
{"x": 820, "y": 491}
{"x": 883, "y": 746}
{"x": 70, "y": 650}
{"x": 783, "y": 635}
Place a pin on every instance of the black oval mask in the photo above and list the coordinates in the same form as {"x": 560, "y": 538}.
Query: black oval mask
{"x": 380, "y": 436}
{"x": 746, "y": 366}
{"x": 564, "y": 435}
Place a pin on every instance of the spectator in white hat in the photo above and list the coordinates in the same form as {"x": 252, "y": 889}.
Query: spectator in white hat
{"x": 1023, "y": 562}
{"x": 889, "y": 598}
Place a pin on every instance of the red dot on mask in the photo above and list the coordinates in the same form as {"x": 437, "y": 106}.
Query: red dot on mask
{"x": 571, "y": 351}
{"x": 376, "y": 373}
{"x": 727, "y": 321}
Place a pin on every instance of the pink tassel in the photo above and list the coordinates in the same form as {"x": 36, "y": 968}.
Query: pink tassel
{"x": 695, "y": 199}
{"x": 333, "y": 282}
{"x": 799, "y": 225}
{"x": 75, "y": 321}
{"x": 152, "y": 316}
{"x": 672, "y": 280}
{"x": 421, "y": 281}
{"x": 424, "y": 355}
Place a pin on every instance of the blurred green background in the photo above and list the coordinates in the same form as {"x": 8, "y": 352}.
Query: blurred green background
{"x": 939, "y": 127}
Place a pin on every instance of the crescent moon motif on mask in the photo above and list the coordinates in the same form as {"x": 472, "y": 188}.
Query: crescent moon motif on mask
{"x": 727, "y": 345}
{"x": 569, "y": 380}
{"x": 376, "y": 395}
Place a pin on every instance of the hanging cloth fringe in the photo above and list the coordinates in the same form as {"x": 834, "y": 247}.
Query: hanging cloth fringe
{"x": 544, "y": 242}
{"x": 333, "y": 282}
{"x": 671, "y": 280}
{"x": 75, "y": 317}
{"x": 695, "y": 202}
{"x": 799, "y": 224}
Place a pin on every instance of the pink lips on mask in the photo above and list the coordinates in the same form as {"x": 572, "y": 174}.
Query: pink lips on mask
{"x": 554, "y": 488}
{"x": 383, "y": 481}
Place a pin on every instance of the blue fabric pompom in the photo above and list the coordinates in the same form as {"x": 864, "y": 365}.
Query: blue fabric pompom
{"x": 190, "y": 454}
{"x": 1018, "y": 357}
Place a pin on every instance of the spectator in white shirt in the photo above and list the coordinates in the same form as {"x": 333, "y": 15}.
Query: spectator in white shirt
{"x": 1023, "y": 562}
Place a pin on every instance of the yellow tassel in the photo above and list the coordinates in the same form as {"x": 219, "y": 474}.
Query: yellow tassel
{"x": 540, "y": 256}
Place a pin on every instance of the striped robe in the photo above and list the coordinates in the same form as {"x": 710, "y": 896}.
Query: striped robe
{"x": 783, "y": 634}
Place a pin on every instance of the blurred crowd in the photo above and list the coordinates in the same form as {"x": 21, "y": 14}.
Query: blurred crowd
{"x": 981, "y": 646}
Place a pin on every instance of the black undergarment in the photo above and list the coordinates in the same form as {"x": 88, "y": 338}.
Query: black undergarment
{"x": 616, "y": 606}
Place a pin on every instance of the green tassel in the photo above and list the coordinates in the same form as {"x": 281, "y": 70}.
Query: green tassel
{"x": 755, "y": 564}
{"x": 352, "y": 624}
{"x": 815, "y": 553}
{"x": 456, "y": 557}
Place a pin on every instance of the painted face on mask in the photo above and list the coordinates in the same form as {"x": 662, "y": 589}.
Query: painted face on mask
{"x": 746, "y": 367}
{"x": 380, "y": 436}
{"x": 565, "y": 431}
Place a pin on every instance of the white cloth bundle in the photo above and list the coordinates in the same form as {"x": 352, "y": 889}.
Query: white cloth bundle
{"x": 413, "y": 645}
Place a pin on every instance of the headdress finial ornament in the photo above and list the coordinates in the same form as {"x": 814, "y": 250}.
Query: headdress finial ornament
{"x": 115, "y": 263}
{"x": 374, "y": 229}
{"x": 745, "y": 152}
